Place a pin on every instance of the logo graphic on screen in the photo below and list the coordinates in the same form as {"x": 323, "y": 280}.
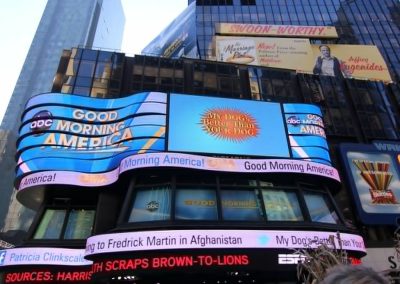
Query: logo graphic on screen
{"x": 2, "y": 257}
{"x": 42, "y": 122}
{"x": 229, "y": 124}
{"x": 290, "y": 258}
{"x": 378, "y": 178}
{"x": 152, "y": 206}
{"x": 293, "y": 120}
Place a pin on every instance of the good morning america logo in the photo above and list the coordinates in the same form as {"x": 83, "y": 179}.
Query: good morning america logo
{"x": 110, "y": 130}
{"x": 296, "y": 120}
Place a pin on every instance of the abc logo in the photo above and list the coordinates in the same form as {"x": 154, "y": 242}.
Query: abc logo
{"x": 152, "y": 206}
{"x": 42, "y": 121}
{"x": 293, "y": 120}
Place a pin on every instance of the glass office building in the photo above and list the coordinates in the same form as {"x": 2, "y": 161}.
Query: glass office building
{"x": 95, "y": 23}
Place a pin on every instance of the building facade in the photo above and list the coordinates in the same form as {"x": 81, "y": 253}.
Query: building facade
{"x": 94, "y": 24}
{"x": 357, "y": 23}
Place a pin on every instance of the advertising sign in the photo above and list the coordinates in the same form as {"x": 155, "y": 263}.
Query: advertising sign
{"x": 218, "y": 125}
{"x": 72, "y": 134}
{"x": 362, "y": 62}
{"x": 43, "y": 256}
{"x": 286, "y": 53}
{"x": 45, "y": 265}
{"x": 89, "y": 142}
{"x": 176, "y": 160}
{"x": 276, "y": 30}
{"x": 178, "y": 39}
{"x": 373, "y": 172}
{"x": 222, "y": 239}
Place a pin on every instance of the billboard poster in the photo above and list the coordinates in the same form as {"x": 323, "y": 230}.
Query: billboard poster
{"x": 286, "y": 53}
{"x": 177, "y": 39}
{"x": 363, "y": 62}
{"x": 373, "y": 171}
{"x": 276, "y": 30}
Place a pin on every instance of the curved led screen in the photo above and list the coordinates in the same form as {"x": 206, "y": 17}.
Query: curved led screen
{"x": 68, "y": 139}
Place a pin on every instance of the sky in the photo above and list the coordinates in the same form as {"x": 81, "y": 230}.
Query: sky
{"x": 144, "y": 20}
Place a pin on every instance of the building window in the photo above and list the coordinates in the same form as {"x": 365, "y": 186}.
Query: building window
{"x": 151, "y": 204}
{"x": 248, "y": 2}
{"x": 79, "y": 224}
{"x": 281, "y": 205}
{"x": 191, "y": 196}
{"x": 196, "y": 204}
{"x": 213, "y": 2}
{"x": 65, "y": 224}
{"x": 240, "y": 205}
{"x": 320, "y": 208}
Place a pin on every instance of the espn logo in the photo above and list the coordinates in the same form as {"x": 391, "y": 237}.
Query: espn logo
{"x": 290, "y": 258}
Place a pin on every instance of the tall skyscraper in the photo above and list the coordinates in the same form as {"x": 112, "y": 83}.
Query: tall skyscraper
{"x": 64, "y": 24}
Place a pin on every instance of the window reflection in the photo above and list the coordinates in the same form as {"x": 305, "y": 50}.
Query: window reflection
{"x": 51, "y": 225}
{"x": 320, "y": 209}
{"x": 196, "y": 204}
{"x": 281, "y": 205}
{"x": 80, "y": 224}
{"x": 151, "y": 204}
{"x": 240, "y": 205}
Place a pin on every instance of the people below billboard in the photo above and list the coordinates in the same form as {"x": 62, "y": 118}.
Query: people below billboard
{"x": 356, "y": 274}
{"x": 328, "y": 65}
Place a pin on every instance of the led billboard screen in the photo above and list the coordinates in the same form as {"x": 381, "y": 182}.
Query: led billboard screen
{"x": 218, "y": 125}
{"x": 373, "y": 172}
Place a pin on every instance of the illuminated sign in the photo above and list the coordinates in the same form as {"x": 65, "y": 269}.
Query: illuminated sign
{"x": 89, "y": 142}
{"x": 229, "y": 126}
{"x": 171, "y": 262}
{"x": 173, "y": 160}
{"x": 276, "y": 30}
{"x": 374, "y": 174}
{"x": 290, "y": 258}
{"x": 43, "y": 256}
{"x": 80, "y": 275}
{"x": 226, "y": 126}
{"x": 212, "y": 239}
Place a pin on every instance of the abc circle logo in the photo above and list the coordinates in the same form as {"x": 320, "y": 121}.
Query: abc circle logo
{"x": 152, "y": 206}
{"x": 293, "y": 120}
{"x": 42, "y": 121}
